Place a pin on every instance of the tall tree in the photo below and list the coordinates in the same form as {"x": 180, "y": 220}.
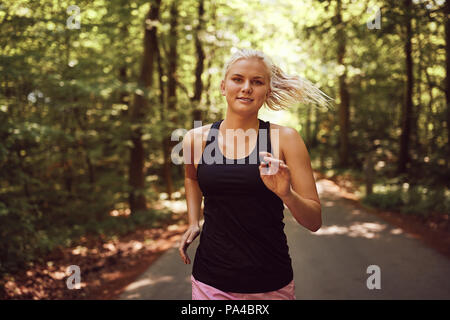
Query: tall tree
{"x": 198, "y": 86}
{"x": 140, "y": 108}
{"x": 447, "y": 64}
{"x": 171, "y": 96}
{"x": 407, "y": 107}
{"x": 344, "y": 94}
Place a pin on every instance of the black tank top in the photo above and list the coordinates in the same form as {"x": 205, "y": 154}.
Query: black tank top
{"x": 243, "y": 247}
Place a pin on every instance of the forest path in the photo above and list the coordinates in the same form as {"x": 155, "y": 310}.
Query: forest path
{"x": 329, "y": 264}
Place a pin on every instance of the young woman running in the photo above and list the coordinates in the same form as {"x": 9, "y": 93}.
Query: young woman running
{"x": 243, "y": 252}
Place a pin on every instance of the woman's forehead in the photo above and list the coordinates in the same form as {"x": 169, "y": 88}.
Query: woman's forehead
{"x": 248, "y": 67}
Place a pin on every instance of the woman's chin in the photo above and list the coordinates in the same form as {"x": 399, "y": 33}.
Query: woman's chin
{"x": 252, "y": 107}
{"x": 244, "y": 109}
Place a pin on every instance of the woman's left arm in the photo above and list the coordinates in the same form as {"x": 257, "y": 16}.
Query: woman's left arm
{"x": 294, "y": 182}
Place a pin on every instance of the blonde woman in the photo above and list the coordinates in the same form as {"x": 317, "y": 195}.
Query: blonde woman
{"x": 243, "y": 252}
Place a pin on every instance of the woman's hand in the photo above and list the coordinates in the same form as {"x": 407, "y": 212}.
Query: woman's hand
{"x": 191, "y": 233}
{"x": 275, "y": 174}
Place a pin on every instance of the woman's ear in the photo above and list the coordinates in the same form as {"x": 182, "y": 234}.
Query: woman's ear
{"x": 222, "y": 87}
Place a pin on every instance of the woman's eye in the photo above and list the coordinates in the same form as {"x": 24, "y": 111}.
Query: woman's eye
{"x": 255, "y": 81}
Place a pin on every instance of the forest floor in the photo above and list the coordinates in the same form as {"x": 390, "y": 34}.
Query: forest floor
{"x": 107, "y": 267}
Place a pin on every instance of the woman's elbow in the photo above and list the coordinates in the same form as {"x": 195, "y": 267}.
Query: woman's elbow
{"x": 318, "y": 225}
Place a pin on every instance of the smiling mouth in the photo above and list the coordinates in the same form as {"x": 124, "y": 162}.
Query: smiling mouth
{"x": 245, "y": 99}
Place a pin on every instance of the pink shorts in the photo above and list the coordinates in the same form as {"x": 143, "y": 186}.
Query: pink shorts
{"x": 202, "y": 291}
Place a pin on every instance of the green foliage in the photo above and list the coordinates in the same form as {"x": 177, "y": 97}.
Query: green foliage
{"x": 417, "y": 200}
{"x": 64, "y": 125}
{"x": 389, "y": 200}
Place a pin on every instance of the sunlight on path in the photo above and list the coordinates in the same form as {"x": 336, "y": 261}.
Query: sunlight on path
{"x": 330, "y": 263}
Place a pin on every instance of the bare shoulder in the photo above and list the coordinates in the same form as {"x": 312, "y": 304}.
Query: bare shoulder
{"x": 195, "y": 140}
{"x": 284, "y": 131}
{"x": 201, "y": 131}
{"x": 291, "y": 143}
{"x": 199, "y": 134}
{"x": 288, "y": 132}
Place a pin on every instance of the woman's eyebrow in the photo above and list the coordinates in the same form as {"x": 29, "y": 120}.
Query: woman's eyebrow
{"x": 240, "y": 75}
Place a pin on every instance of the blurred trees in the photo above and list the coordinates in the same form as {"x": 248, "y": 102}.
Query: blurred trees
{"x": 90, "y": 97}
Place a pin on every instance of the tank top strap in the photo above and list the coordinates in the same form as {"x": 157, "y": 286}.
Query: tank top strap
{"x": 264, "y": 143}
{"x": 212, "y": 137}
{"x": 212, "y": 134}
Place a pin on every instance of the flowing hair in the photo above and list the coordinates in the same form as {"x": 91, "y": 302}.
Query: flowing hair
{"x": 285, "y": 89}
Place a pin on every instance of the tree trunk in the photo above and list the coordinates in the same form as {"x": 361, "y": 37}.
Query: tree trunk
{"x": 210, "y": 57}
{"x": 171, "y": 97}
{"x": 136, "y": 170}
{"x": 160, "y": 77}
{"x": 447, "y": 60}
{"x": 124, "y": 96}
{"x": 408, "y": 103}
{"x": 343, "y": 91}
{"x": 198, "y": 87}
{"x": 418, "y": 107}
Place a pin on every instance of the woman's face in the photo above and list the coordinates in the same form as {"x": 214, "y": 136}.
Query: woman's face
{"x": 246, "y": 85}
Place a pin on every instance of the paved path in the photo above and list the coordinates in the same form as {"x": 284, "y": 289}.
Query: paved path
{"x": 331, "y": 263}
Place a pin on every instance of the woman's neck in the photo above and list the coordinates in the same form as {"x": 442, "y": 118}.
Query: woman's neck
{"x": 232, "y": 122}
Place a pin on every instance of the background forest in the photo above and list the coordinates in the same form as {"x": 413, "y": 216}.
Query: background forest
{"x": 91, "y": 92}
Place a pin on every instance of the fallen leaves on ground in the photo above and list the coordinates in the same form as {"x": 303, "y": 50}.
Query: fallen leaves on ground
{"x": 106, "y": 267}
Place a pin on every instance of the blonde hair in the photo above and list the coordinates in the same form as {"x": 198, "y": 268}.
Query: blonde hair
{"x": 284, "y": 89}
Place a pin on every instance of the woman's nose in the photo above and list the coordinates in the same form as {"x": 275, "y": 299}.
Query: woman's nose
{"x": 247, "y": 86}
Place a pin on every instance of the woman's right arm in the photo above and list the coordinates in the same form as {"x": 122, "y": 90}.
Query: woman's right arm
{"x": 193, "y": 196}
